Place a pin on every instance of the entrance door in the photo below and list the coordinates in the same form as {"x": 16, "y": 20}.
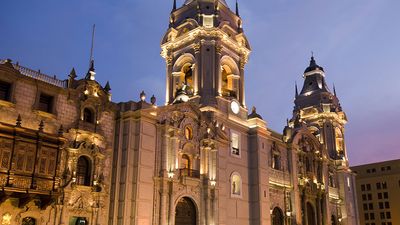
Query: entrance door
{"x": 185, "y": 212}
{"x": 310, "y": 215}
{"x": 277, "y": 216}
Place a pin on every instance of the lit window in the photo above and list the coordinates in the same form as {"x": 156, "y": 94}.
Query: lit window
{"x": 188, "y": 133}
{"x": 6, "y": 219}
{"x": 235, "y": 144}
{"x": 208, "y": 21}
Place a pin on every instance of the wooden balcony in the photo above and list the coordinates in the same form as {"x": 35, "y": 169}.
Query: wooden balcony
{"x": 29, "y": 164}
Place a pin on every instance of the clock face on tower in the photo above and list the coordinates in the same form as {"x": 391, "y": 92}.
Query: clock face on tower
{"x": 235, "y": 107}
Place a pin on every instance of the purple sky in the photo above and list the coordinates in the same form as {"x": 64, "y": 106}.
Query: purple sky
{"x": 356, "y": 41}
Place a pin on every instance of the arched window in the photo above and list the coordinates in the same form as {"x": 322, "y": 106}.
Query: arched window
{"x": 88, "y": 115}
{"x": 187, "y": 73}
{"x": 29, "y": 221}
{"x": 229, "y": 82}
{"x": 188, "y": 133}
{"x": 339, "y": 142}
{"x": 236, "y": 185}
{"x": 185, "y": 164}
{"x": 83, "y": 171}
{"x": 277, "y": 216}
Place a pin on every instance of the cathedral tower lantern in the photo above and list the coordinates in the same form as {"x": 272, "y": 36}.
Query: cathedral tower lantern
{"x": 205, "y": 52}
{"x": 319, "y": 109}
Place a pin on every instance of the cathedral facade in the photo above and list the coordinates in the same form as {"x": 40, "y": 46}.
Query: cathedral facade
{"x": 69, "y": 155}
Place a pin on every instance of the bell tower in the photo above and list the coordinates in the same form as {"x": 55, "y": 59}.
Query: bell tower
{"x": 205, "y": 51}
{"x": 319, "y": 109}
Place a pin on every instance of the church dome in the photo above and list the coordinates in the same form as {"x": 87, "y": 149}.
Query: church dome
{"x": 221, "y": 1}
{"x": 313, "y": 66}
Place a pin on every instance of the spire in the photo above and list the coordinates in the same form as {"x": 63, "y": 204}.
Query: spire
{"x": 174, "y": 6}
{"x": 107, "y": 88}
{"x": 296, "y": 90}
{"x": 92, "y": 46}
{"x": 91, "y": 74}
{"x": 72, "y": 74}
{"x": 334, "y": 90}
{"x": 237, "y": 8}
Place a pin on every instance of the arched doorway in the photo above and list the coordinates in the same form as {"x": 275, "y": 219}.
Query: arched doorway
{"x": 333, "y": 219}
{"x": 29, "y": 221}
{"x": 185, "y": 212}
{"x": 310, "y": 215}
{"x": 277, "y": 216}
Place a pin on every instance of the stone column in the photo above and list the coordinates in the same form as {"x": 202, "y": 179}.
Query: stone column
{"x": 197, "y": 71}
{"x": 218, "y": 52}
{"x": 169, "y": 80}
{"x": 241, "y": 96}
{"x": 173, "y": 154}
{"x": 164, "y": 204}
{"x": 171, "y": 209}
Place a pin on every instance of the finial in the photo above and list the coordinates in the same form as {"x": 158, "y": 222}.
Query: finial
{"x": 237, "y": 8}
{"x": 142, "y": 96}
{"x": 334, "y": 90}
{"x": 253, "y": 109}
{"x": 41, "y": 126}
{"x": 19, "y": 120}
{"x": 107, "y": 88}
{"x": 61, "y": 131}
{"x": 312, "y": 61}
{"x": 174, "y": 6}
{"x": 153, "y": 100}
{"x": 72, "y": 74}
{"x": 296, "y": 90}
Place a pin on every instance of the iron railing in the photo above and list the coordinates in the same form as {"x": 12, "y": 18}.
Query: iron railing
{"x": 38, "y": 75}
{"x": 189, "y": 173}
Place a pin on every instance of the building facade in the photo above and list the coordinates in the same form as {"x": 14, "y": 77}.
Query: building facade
{"x": 71, "y": 156}
{"x": 378, "y": 193}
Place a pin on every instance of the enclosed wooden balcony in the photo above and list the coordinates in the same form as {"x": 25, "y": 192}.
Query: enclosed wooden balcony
{"x": 29, "y": 163}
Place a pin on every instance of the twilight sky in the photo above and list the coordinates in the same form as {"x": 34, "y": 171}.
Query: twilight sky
{"x": 356, "y": 41}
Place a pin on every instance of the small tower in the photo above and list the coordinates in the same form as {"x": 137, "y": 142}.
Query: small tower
{"x": 319, "y": 108}
{"x": 205, "y": 51}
